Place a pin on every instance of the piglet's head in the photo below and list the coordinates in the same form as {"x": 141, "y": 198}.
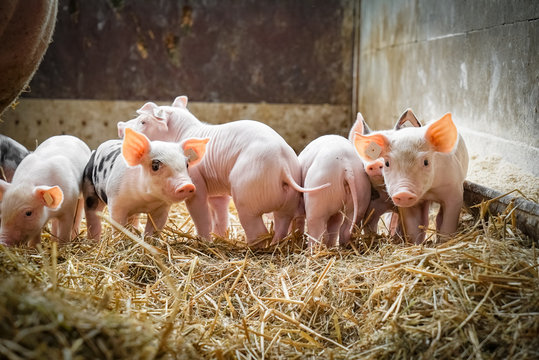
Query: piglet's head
{"x": 409, "y": 157}
{"x": 164, "y": 164}
{"x": 373, "y": 168}
{"x": 25, "y": 211}
{"x": 151, "y": 121}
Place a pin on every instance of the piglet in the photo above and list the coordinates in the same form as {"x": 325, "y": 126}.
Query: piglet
{"x": 380, "y": 201}
{"x": 137, "y": 175}
{"x": 246, "y": 159}
{"x": 11, "y": 155}
{"x": 422, "y": 165}
{"x": 332, "y": 212}
{"x": 46, "y": 185}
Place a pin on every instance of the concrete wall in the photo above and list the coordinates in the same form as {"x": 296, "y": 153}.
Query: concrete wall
{"x": 34, "y": 120}
{"x": 477, "y": 59}
{"x": 285, "y": 63}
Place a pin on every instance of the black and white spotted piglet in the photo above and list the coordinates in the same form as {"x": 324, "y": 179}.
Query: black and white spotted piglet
{"x": 11, "y": 155}
{"x": 137, "y": 175}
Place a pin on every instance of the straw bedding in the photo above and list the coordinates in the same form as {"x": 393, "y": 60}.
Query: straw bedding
{"x": 473, "y": 296}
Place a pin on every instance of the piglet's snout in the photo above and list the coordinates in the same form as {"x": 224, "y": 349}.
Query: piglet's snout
{"x": 375, "y": 168}
{"x": 185, "y": 189}
{"x": 404, "y": 199}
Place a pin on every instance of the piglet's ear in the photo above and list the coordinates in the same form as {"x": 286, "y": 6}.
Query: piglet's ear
{"x": 442, "y": 134}
{"x": 3, "y": 188}
{"x": 371, "y": 147}
{"x": 180, "y": 101}
{"x": 147, "y": 108}
{"x": 194, "y": 149}
{"x": 360, "y": 126}
{"x": 134, "y": 147}
{"x": 50, "y": 196}
{"x": 407, "y": 116}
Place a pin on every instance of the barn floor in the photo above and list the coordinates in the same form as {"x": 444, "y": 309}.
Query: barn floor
{"x": 474, "y": 296}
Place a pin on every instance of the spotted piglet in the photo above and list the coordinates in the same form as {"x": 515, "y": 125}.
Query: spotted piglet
{"x": 11, "y": 155}
{"x": 332, "y": 212}
{"x": 137, "y": 175}
{"x": 46, "y": 185}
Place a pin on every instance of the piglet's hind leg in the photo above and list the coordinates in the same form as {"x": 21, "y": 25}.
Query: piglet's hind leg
{"x": 253, "y": 225}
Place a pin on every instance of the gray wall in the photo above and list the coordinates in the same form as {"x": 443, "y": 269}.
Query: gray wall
{"x": 476, "y": 59}
{"x": 285, "y": 63}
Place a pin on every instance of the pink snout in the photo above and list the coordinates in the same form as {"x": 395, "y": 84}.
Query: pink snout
{"x": 374, "y": 168}
{"x": 404, "y": 199}
{"x": 186, "y": 189}
{"x": 7, "y": 239}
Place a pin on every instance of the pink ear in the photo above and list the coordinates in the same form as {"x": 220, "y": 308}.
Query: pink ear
{"x": 371, "y": 147}
{"x": 147, "y": 108}
{"x": 50, "y": 196}
{"x": 194, "y": 149}
{"x": 442, "y": 134}
{"x": 409, "y": 116}
{"x": 134, "y": 147}
{"x": 360, "y": 126}
{"x": 180, "y": 101}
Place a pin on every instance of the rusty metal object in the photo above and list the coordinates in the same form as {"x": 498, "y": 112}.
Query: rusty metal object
{"x": 26, "y": 28}
{"x": 526, "y": 212}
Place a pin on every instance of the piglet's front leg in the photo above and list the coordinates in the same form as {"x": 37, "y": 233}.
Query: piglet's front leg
{"x": 158, "y": 217}
{"x": 200, "y": 213}
{"x": 219, "y": 214}
{"x": 415, "y": 220}
{"x": 448, "y": 218}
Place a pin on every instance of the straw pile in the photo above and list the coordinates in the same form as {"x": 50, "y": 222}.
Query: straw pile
{"x": 474, "y": 296}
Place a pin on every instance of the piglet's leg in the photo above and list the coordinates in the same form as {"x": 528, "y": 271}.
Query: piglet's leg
{"x": 316, "y": 229}
{"x": 159, "y": 218}
{"x": 346, "y": 227}
{"x": 93, "y": 222}
{"x": 281, "y": 226}
{"x": 412, "y": 219}
{"x": 78, "y": 218}
{"x": 198, "y": 206}
{"x": 65, "y": 222}
{"x": 118, "y": 213}
{"x": 298, "y": 222}
{"x": 450, "y": 214}
{"x": 54, "y": 226}
{"x": 219, "y": 213}
{"x": 200, "y": 213}
{"x": 334, "y": 224}
{"x": 253, "y": 225}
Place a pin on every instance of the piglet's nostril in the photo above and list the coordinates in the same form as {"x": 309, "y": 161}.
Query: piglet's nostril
{"x": 188, "y": 188}
{"x": 404, "y": 198}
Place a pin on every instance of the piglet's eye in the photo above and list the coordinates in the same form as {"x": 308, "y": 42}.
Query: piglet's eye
{"x": 387, "y": 163}
{"x": 426, "y": 162}
{"x": 156, "y": 164}
{"x": 28, "y": 213}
